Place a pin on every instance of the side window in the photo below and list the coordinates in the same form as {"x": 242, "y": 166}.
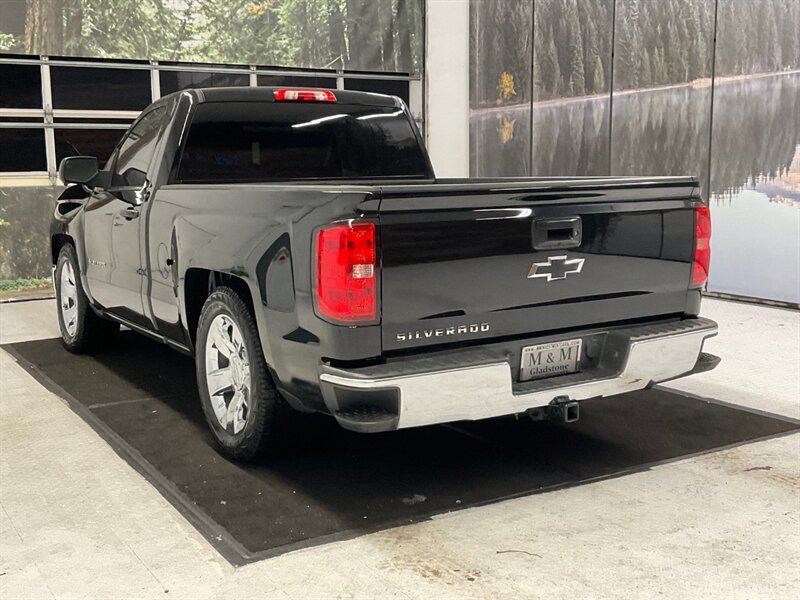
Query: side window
{"x": 136, "y": 150}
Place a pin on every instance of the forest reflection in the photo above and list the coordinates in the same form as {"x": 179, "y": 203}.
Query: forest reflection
{"x": 755, "y": 161}
{"x": 662, "y": 131}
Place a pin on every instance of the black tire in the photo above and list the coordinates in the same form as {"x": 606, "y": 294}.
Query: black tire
{"x": 268, "y": 417}
{"x": 85, "y": 331}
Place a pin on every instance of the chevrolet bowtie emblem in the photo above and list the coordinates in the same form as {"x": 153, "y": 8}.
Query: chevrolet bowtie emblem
{"x": 556, "y": 267}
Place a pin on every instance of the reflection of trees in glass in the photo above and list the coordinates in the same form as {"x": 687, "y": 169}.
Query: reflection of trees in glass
{"x": 500, "y": 142}
{"x": 758, "y": 36}
{"x": 664, "y": 42}
{"x": 500, "y": 38}
{"x": 657, "y": 43}
{"x": 662, "y": 132}
{"x": 756, "y": 133}
{"x": 572, "y": 53}
{"x": 571, "y": 138}
{"x": 383, "y": 35}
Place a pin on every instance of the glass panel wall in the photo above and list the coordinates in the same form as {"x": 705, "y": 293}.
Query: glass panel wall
{"x": 173, "y": 81}
{"x": 22, "y": 150}
{"x": 298, "y": 81}
{"x": 85, "y": 88}
{"x": 572, "y": 80}
{"x": 755, "y": 151}
{"x": 393, "y": 87}
{"x": 93, "y": 103}
{"x": 662, "y": 88}
{"x": 500, "y": 87}
{"x": 21, "y": 86}
{"x": 86, "y": 142}
{"x": 648, "y": 107}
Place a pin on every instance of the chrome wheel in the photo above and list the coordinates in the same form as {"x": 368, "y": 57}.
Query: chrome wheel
{"x": 68, "y": 298}
{"x": 228, "y": 374}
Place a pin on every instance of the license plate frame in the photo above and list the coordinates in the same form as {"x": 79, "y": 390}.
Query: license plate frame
{"x": 548, "y": 360}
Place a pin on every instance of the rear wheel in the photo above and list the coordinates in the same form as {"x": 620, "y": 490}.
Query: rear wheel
{"x": 81, "y": 329}
{"x": 246, "y": 413}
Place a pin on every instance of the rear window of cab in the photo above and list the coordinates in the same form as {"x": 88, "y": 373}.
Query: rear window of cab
{"x": 242, "y": 142}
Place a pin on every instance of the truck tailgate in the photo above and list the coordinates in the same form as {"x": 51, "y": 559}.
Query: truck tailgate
{"x": 467, "y": 261}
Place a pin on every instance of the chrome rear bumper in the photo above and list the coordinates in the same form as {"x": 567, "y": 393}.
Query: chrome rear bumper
{"x": 423, "y": 392}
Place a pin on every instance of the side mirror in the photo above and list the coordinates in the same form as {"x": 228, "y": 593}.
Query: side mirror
{"x": 78, "y": 169}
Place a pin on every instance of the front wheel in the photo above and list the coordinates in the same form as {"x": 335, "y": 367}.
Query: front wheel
{"x": 242, "y": 406}
{"x": 81, "y": 329}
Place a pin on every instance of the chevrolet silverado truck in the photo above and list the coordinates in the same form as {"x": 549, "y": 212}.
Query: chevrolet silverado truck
{"x": 297, "y": 243}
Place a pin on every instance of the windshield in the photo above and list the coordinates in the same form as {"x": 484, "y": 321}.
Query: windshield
{"x": 263, "y": 142}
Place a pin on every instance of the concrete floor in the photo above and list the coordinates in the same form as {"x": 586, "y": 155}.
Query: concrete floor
{"x": 77, "y": 521}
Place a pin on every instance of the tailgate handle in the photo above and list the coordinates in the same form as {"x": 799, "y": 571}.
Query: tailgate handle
{"x": 561, "y": 232}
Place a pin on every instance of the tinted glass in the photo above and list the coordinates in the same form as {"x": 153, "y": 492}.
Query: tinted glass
{"x": 379, "y": 86}
{"x": 17, "y": 119}
{"x": 297, "y": 81}
{"x": 87, "y": 142}
{"x": 21, "y": 86}
{"x": 293, "y": 141}
{"x": 138, "y": 147}
{"x": 173, "y": 81}
{"x": 100, "y": 89}
{"x": 22, "y": 150}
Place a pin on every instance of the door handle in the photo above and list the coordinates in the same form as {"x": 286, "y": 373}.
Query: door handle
{"x": 557, "y": 233}
{"x": 129, "y": 213}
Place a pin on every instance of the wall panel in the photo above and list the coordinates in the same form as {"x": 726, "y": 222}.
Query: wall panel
{"x": 652, "y": 112}
{"x": 662, "y": 88}
{"x": 500, "y": 87}
{"x": 755, "y": 151}
{"x": 572, "y": 81}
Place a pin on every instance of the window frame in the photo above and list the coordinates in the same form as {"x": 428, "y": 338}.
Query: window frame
{"x": 173, "y": 178}
{"x": 66, "y": 98}
{"x": 111, "y": 167}
{"x": 50, "y": 119}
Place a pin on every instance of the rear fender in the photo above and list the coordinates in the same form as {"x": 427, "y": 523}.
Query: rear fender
{"x": 247, "y": 245}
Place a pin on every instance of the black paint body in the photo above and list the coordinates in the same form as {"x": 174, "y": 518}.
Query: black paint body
{"x": 452, "y": 253}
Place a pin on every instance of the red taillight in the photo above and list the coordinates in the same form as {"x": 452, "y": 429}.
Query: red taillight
{"x": 702, "y": 245}
{"x": 304, "y": 95}
{"x": 346, "y": 286}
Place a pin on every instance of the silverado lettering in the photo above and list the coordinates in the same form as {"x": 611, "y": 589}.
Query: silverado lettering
{"x": 443, "y": 332}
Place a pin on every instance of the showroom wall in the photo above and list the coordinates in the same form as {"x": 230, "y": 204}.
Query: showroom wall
{"x": 547, "y": 97}
{"x": 379, "y": 35}
{"x": 75, "y": 73}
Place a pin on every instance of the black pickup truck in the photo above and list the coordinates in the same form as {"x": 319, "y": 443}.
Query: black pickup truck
{"x": 297, "y": 243}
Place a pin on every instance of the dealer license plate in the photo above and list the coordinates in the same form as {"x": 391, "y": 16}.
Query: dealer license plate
{"x": 548, "y": 360}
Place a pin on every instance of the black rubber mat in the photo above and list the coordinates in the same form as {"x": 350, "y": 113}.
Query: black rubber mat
{"x": 142, "y": 398}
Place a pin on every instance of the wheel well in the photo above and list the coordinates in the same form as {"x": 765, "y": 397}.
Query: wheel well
{"x": 199, "y": 285}
{"x": 57, "y": 242}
